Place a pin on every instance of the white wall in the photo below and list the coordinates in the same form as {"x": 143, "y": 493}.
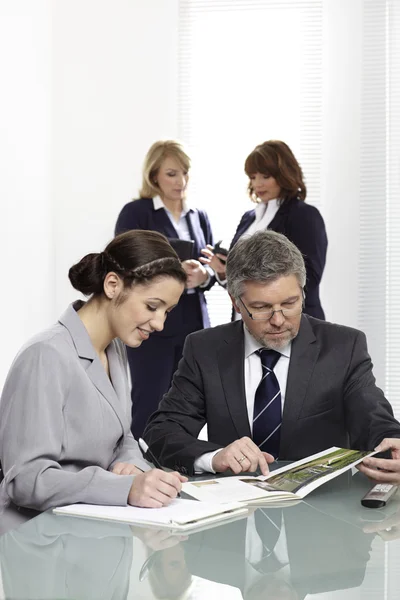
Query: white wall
{"x": 115, "y": 92}
{"x": 87, "y": 86}
{"x": 26, "y": 240}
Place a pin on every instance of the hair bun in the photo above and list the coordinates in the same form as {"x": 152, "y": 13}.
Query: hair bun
{"x": 87, "y": 275}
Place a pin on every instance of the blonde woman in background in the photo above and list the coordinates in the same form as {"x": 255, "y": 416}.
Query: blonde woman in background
{"x": 162, "y": 207}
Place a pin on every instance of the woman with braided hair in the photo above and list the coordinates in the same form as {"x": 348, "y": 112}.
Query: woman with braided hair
{"x": 65, "y": 409}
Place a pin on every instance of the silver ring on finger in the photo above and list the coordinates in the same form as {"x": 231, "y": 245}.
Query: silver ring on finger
{"x": 240, "y": 460}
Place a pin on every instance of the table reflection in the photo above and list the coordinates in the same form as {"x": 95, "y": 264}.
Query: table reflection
{"x": 318, "y": 546}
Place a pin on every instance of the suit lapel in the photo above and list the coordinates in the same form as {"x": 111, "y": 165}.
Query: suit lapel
{"x": 197, "y": 232}
{"x": 278, "y": 223}
{"x": 163, "y": 224}
{"x": 101, "y": 381}
{"x": 245, "y": 223}
{"x": 231, "y": 368}
{"x": 91, "y": 362}
{"x": 304, "y": 354}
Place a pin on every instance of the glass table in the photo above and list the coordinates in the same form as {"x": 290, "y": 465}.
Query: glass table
{"x": 326, "y": 547}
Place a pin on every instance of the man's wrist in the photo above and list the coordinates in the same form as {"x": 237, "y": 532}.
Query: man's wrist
{"x": 203, "y": 464}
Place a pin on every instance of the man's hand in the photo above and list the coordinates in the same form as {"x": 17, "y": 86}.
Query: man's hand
{"x": 155, "y": 488}
{"x": 122, "y": 468}
{"x": 242, "y": 455}
{"x": 383, "y": 470}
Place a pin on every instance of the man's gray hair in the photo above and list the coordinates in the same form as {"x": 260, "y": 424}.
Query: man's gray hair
{"x": 264, "y": 257}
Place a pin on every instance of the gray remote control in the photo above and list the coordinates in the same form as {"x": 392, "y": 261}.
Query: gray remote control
{"x": 378, "y": 495}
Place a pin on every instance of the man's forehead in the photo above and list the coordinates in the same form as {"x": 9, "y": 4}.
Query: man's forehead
{"x": 285, "y": 286}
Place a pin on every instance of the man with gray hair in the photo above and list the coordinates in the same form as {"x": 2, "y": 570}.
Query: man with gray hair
{"x": 276, "y": 383}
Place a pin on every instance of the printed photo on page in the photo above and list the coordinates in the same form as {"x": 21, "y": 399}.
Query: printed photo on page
{"x": 288, "y": 483}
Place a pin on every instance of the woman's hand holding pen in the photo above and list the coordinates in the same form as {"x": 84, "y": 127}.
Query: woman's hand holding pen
{"x": 215, "y": 261}
{"x": 155, "y": 488}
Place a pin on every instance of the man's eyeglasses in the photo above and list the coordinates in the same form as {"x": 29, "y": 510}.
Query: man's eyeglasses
{"x": 259, "y": 314}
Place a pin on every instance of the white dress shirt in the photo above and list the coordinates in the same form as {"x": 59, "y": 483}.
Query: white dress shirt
{"x": 182, "y": 229}
{"x": 265, "y": 212}
{"x": 180, "y": 226}
{"x": 254, "y": 552}
{"x": 252, "y": 378}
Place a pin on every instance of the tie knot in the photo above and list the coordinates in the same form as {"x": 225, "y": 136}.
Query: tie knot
{"x": 268, "y": 357}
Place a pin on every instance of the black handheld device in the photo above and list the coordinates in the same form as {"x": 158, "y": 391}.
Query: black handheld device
{"x": 218, "y": 249}
{"x": 378, "y": 495}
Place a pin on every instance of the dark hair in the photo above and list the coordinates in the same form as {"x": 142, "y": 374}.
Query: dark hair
{"x": 137, "y": 256}
{"x": 275, "y": 158}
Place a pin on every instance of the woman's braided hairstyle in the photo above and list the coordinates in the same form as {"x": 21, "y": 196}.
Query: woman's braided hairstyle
{"x": 137, "y": 256}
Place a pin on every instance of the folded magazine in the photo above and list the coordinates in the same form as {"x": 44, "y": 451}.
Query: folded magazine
{"x": 290, "y": 483}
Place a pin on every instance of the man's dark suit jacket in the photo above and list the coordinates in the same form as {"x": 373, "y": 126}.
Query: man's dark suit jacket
{"x": 303, "y": 225}
{"x": 331, "y": 396}
{"x": 140, "y": 214}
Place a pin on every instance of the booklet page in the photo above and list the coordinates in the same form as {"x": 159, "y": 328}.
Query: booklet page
{"x": 288, "y": 483}
{"x": 239, "y": 489}
{"x": 304, "y": 476}
{"x": 180, "y": 511}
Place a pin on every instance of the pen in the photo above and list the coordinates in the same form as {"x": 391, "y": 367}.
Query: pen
{"x": 146, "y": 450}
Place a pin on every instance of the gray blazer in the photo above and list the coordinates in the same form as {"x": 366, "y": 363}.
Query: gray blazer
{"x": 64, "y": 423}
{"x": 331, "y": 396}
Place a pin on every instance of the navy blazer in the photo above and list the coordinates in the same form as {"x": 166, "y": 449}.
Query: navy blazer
{"x": 304, "y": 226}
{"x": 141, "y": 214}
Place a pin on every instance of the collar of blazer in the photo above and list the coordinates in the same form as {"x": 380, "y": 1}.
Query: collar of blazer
{"x": 303, "y": 357}
{"x": 114, "y": 389}
{"x": 282, "y": 214}
{"x": 82, "y": 342}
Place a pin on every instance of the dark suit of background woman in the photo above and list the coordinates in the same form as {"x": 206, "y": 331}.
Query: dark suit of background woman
{"x": 165, "y": 175}
{"x": 304, "y": 226}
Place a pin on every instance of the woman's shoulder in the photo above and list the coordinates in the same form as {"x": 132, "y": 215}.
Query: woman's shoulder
{"x": 53, "y": 340}
{"x": 247, "y": 218}
{"x": 49, "y": 350}
{"x": 200, "y": 211}
{"x": 299, "y": 209}
{"x": 248, "y": 214}
{"x": 138, "y": 204}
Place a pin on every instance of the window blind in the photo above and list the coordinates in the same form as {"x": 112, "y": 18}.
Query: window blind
{"x": 259, "y": 69}
{"x": 392, "y": 287}
{"x": 379, "y": 254}
{"x": 248, "y": 71}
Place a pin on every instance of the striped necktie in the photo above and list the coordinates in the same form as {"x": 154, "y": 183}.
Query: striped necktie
{"x": 267, "y": 416}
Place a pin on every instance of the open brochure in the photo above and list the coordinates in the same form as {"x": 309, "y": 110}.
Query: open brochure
{"x": 290, "y": 483}
{"x": 180, "y": 515}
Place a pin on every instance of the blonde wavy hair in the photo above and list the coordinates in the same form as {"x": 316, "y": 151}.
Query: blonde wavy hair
{"x": 158, "y": 152}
